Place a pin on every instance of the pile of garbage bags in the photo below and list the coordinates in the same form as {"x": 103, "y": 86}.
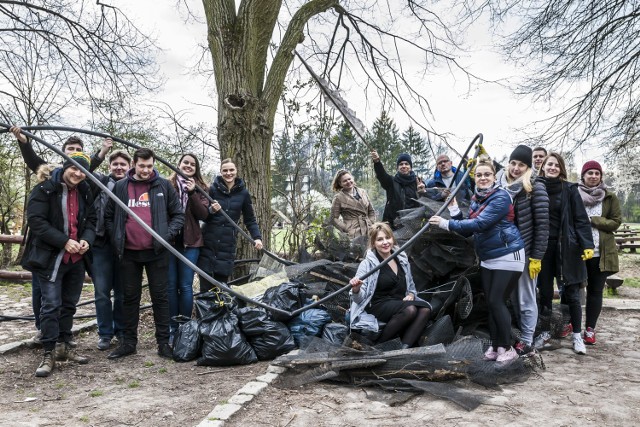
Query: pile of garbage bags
{"x": 224, "y": 334}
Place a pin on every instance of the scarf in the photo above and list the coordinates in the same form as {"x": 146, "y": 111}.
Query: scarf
{"x": 407, "y": 179}
{"x": 182, "y": 191}
{"x": 483, "y": 193}
{"x": 512, "y": 188}
{"x": 591, "y": 196}
{"x": 554, "y": 185}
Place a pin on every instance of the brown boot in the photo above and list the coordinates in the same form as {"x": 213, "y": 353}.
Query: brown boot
{"x": 46, "y": 366}
{"x": 64, "y": 352}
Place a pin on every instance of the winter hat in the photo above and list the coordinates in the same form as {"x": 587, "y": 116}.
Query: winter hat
{"x": 80, "y": 158}
{"x": 404, "y": 157}
{"x": 591, "y": 164}
{"x": 523, "y": 154}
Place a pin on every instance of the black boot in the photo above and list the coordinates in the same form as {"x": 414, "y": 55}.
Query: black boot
{"x": 47, "y": 364}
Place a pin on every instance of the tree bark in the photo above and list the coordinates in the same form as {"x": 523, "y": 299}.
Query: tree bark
{"x": 248, "y": 95}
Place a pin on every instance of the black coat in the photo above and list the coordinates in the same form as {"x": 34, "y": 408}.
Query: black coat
{"x": 219, "y": 250}
{"x": 574, "y": 235}
{"x": 167, "y": 217}
{"x": 46, "y": 215}
{"x": 400, "y": 195}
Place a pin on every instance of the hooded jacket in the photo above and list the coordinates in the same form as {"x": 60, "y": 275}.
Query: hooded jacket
{"x": 437, "y": 182}
{"x": 167, "y": 216}
{"x": 220, "y": 238}
{"x": 49, "y": 224}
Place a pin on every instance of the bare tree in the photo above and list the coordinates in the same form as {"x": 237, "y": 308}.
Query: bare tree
{"x": 582, "y": 57}
{"x": 84, "y": 51}
{"x": 251, "y": 48}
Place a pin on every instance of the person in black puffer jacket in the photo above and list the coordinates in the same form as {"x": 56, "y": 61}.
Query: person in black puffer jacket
{"x": 219, "y": 250}
{"x": 531, "y": 206}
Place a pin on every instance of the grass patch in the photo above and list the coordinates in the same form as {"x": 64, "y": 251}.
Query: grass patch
{"x": 84, "y": 419}
{"x": 134, "y": 384}
{"x": 96, "y": 393}
{"x": 632, "y": 282}
{"x": 119, "y": 381}
{"x": 162, "y": 370}
{"x": 60, "y": 385}
{"x": 148, "y": 364}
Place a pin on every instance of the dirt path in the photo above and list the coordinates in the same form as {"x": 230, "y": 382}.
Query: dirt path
{"x": 601, "y": 388}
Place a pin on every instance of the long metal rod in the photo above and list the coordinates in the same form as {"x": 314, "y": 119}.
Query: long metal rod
{"x": 151, "y": 231}
{"x": 401, "y": 249}
{"x": 161, "y": 160}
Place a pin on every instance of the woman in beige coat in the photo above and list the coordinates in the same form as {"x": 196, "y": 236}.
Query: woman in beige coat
{"x": 352, "y": 204}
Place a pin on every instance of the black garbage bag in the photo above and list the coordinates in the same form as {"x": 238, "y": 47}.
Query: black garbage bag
{"x": 212, "y": 302}
{"x": 223, "y": 344}
{"x": 186, "y": 344}
{"x": 335, "y": 333}
{"x": 307, "y": 325}
{"x": 286, "y": 296}
{"x": 268, "y": 338}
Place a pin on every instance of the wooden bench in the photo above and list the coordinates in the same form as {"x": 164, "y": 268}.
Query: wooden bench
{"x": 631, "y": 246}
{"x": 627, "y": 239}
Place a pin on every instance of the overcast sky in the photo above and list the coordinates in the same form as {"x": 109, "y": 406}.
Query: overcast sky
{"x": 489, "y": 109}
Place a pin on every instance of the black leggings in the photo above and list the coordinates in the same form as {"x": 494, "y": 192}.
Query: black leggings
{"x": 412, "y": 318}
{"x": 570, "y": 296}
{"x": 595, "y": 286}
{"x": 498, "y": 285}
{"x": 206, "y": 286}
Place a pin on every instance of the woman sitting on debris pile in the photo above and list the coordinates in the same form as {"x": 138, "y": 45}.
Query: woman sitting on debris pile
{"x": 500, "y": 249}
{"x": 570, "y": 243}
{"x": 603, "y": 208}
{"x": 388, "y": 295}
{"x": 352, "y": 204}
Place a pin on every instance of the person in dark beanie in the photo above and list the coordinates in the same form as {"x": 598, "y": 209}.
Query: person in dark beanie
{"x": 402, "y": 189}
{"x": 603, "y": 208}
{"x": 531, "y": 209}
{"x": 43, "y": 170}
{"x": 438, "y": 187}
{"x": 62, "y": 228}
{"x": 154, "y": 200}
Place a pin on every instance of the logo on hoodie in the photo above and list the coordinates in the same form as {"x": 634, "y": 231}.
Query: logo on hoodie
{"x": 142, "y": 202}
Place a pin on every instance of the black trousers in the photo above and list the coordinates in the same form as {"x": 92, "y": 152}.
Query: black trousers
{"x": 595, "y": 286}
{"x": 498, "y": 286}
{"x": 157, "y": 269}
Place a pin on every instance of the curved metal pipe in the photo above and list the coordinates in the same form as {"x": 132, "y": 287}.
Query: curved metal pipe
{"x": 161, "y": 160}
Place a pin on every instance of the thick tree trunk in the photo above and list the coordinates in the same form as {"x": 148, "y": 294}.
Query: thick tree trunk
{"x": 245, "y": 135}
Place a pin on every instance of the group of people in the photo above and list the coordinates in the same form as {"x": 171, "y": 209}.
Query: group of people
{"x": 532, "y": 229}
{"x": 76, "y": 228}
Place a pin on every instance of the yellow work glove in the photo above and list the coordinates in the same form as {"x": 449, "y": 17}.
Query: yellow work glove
{"x": 482, "y": 150}
{"x": 588, "y": 254}
{"x": 535, "y": 265}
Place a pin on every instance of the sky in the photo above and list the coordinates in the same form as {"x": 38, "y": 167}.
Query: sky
{"x": 488, "y": 108}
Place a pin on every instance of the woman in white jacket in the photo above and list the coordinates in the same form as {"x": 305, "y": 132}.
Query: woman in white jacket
{"x": 389, "y": 294}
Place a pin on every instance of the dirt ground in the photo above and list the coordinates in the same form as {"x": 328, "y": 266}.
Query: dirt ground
{"x": 601, "y": 388}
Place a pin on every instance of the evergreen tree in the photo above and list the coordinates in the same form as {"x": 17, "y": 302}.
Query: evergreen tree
{"x": 385, "y": 139}
{"x": 349, "y": 153}
{"x": 413, "y": 143}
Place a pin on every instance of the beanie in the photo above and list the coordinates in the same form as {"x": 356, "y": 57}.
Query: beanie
{"x": 404, "y": 157}
{"x": 523, "y": 154}
{"x": 591, "y": 164}
{"x": 80, "y": 158}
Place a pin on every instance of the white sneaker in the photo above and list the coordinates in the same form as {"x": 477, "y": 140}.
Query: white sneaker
{"x": 505, "y": 356}
{"x": 578, "y": 344}
{"x": 542, "y": 340}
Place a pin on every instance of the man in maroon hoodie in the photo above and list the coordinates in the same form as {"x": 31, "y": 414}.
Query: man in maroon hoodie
{"x": 154, "y": 200}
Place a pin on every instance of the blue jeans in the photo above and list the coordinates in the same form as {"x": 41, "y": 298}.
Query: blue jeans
{"x": 106, "y": 277}
{"x": 180, "y": 285}
{"x": 59, "y": 299}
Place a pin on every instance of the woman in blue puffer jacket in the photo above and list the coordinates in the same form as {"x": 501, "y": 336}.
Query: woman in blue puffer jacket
{"x": 500, "y": 249}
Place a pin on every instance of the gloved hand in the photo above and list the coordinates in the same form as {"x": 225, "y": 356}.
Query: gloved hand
{"x": 535, "y": 265}
{"x": 482, "y": 150}
{"x": 588, "y": 254}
